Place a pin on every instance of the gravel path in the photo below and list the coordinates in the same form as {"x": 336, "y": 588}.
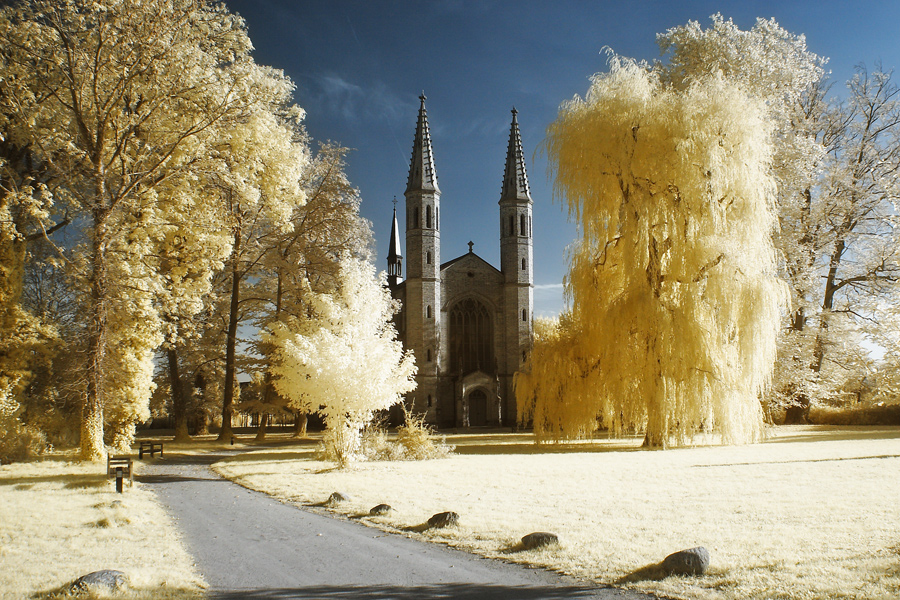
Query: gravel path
{"x": 250, "y": 546}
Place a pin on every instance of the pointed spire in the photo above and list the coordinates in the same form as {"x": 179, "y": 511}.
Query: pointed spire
{"x": 395, "y": 259}
{"x": 515, "y": 178}
{"x": 421, "y": 168}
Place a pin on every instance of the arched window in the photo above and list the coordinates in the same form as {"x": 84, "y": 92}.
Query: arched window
{"x": 522, "y": 225}
{"x": 416, "y": 218}
{"x": 428, "y": 216}
{"x": 523, "y": 264}
{"x": 437, "y": 217}
{"x": 428, "y": 312}
{"x": 428, "y": 355}
{"x": 428, "y": 258}
{"x": 524, "y": 314}
{"x": 471, "y": 338}
{"x": 512, "y": 230}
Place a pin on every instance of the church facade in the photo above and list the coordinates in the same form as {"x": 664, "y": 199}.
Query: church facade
{"x": 468, "y": 323}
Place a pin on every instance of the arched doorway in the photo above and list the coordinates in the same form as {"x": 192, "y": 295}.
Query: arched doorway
{"x": 478, "y": 408}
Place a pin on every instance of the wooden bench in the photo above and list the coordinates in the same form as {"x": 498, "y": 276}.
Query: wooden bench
{"x": 151, "y": 447}
{"x": 120, "y": 467}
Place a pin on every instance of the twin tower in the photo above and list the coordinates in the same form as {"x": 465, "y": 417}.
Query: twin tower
{"x": 468, "y": 323}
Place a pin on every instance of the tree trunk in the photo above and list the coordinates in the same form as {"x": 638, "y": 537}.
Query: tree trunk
{"x": 230, "y": 344}
{"x": 300, "y": 424}
{"x": 263, "y": 423}
{"x": 179, "y": 410}
{"x": 92, "y": 446}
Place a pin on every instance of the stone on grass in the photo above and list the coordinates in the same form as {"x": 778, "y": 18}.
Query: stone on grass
{"x": 539, "y": 539}
{"x": 337, "y": 498}
{"x": 381, "y": 509}
{"x": 107, "y": 581}
{"x": 693, "y": 561}
{"x": 444, "y": 519}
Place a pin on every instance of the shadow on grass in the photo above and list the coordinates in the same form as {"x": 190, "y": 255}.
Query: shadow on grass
{"x": 821, "y": 433}
{"x": 68, "y": 481}
{"x": 461, "y": 591}
{"x": 653, "y": 572}
{"x": 153, "y": 593}
{"x": 524, "y": 443}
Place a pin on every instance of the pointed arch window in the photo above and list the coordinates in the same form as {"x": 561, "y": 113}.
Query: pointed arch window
{"x": 522, "y": 225}
{"x": 428, "y": 312}
{"x": 471, "y": 338}
{"x": 428, "y": 258}
{"x": 428, "y": 216}
{"x": 415, "y": 218}
{"x": 512, "y": 230}
{"x": 524, "y": 314}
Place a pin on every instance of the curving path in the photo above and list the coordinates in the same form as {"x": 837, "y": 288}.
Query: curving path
{"x": 248, "y": 545}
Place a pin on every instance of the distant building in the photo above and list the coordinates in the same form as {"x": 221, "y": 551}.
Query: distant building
{"x": 468, "y": 323}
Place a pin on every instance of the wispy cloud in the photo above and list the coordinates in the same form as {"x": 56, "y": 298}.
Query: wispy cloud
{"x": 354, "y": 102}
{"x": 549, "y": 286}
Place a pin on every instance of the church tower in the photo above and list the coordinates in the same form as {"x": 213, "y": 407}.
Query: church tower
{"x": 516, "y": 262}
{"x": 423, "y": 268}
{"x": 394, "y": 257}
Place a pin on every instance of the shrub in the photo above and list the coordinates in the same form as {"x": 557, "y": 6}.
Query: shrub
{"x": 19, "y": 442}
{"x": 859, "y": 414}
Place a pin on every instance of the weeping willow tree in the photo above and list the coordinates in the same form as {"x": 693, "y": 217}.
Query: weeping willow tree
{"x": 675, "y": 306}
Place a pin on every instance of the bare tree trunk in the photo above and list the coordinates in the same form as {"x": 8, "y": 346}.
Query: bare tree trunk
{"x": 178, "y": 401}
{"x": 231, "y": 343}
{"x": 263, "y": 423}
{"x": 300, "y": 424}
{"x": 92, "y": 445}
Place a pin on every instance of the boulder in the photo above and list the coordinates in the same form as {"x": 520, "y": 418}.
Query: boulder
{"x": 381, "y": 509}
{"x": 693, "y": 561}
{"x": 107, "y": 581}
{"x": 444, "y": 519}
{"x": 337, "y": 498}
{"x": 539, "y": 539}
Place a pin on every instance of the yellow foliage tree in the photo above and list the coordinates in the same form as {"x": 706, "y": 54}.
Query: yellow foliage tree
{"x": 675, "y": 306}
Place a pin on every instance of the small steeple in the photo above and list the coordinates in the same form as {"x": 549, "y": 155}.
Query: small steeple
{"x": 421, "y": 168}
{"x": 515, "y": 178}
{"x": 395, "y": 259}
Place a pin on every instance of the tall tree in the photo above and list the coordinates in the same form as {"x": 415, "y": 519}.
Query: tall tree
{"x": 119, "y": 98}
{"x": 672, "y": 283}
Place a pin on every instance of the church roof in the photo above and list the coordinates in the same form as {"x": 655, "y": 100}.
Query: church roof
{"x": 394, "y": 249}
{"x": 422, "y": 175}
{"x": 515, "y": 178}
{"x": 470, "y": 255}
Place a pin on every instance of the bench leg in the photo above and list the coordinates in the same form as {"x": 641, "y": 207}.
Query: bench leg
{"x": 141, "y": 453}
{"x": 119, "y": 479}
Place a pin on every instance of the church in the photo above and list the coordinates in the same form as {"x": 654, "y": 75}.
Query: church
{"x": 468, "y": 323}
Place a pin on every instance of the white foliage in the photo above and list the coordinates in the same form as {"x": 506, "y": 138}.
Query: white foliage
{"x": 342, "y": 359}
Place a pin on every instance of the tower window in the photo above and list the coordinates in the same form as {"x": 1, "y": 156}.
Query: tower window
{"x": 428, "y": 312}
{"x": 416, "y": 218}
{"x": 428, "y": 355}
{"x": 524, "y": 314}
{"x": 428, "y": 258}
{"x": 429, "y": 400}
{"x": 428, "y": 216}
{"x": 437, "y": 217}
{"x": 512, "y": 230}
{"x": 522, "y": 230}
{"x": 523, "y": 264}
{"x": 524, "y": 356}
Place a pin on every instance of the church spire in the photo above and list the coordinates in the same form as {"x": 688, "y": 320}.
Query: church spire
{"x": 421, "y": 168}
{"x": 395, "y": 259}
{"x": 515, "y": 178}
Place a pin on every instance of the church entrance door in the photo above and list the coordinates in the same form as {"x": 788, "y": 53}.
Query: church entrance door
{"x": 478, "y": 408}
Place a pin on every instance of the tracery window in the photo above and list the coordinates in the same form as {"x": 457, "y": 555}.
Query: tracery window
{"x": 471, "y": 338}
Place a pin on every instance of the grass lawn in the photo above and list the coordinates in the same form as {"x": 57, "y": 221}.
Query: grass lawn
{"x": 814, "y": 513}
{"x": 61, "y": 519}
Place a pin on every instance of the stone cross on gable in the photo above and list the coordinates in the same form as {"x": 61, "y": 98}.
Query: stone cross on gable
{"x": 470, "y": 247}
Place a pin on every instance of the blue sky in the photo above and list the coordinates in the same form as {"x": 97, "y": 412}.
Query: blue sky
{"x": 359, "y": 67}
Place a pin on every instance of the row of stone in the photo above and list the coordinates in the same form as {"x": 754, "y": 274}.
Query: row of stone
{"x": 693, "y": 561}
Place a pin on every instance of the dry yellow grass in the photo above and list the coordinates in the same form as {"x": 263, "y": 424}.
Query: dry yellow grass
{"x": 810, "y": 514}
{"x": 61, "y": 519}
